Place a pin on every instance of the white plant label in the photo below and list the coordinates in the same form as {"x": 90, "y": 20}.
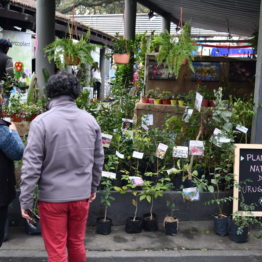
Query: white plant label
{"x": 148, "y": 119}
{"x": 119, "y": 155}
{"x": 180, "y": 151}
{"x": 187, "y": 114}
{"x": 145, "y": 127}
{"x": 138, "y": 155}
{"x": 106, "y": 139}
{"x": 198, "y": 102}
{"x": 136, "y": 180}
{"x": 242, "y": 129}
{"x": 191, "y": 193}
{"x": 170, "y": 171}
{"x": 109, "y": 175}
{"x": 196, "y": 148}
{"x": 161, "y": 150}
{"x": 218, "y": 138}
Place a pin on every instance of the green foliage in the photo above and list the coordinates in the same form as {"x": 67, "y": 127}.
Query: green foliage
{"x": 172, "y": 52}
{"x": 74, "y": 50}
{"x": 122, "y": 45}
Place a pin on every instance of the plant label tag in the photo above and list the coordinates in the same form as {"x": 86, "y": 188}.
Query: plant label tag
{"x": 187, "y": 114}
{"x": 119, "y": 155}
{"x": 109, "y": 175}
{"x": 191, "y": 194}
{"x": 106, "y": 139}
{"x": 170, "y": 171}
{"x": 138, "y": 155}
{"x": 136, "y": 181}
{"x": 180, "y": 151}
{"x": 148, "y": 119}
{"x": 127, "y": 123}
{"x": 198, "y": 101}
{"x": 242, "y": 129}
{"x": 196, "y": 148}
{"x": 161, "y": 150}
{"x": 145, "y": 127}
{"x": 217, "y": 138}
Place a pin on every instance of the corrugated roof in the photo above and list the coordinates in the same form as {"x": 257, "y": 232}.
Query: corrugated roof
{"x": 235, "y": 16}
{"x": 114, "y": 23}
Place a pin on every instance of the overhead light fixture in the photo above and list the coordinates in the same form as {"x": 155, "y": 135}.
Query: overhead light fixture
{"x": 151, "y": 15}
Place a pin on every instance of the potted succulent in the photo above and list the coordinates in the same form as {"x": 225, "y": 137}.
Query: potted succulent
{"x": 121, "y": 48}
{"x": 103, "y": 224}
{"x": 166, "y": 97}
{"x": 66, "y": 51}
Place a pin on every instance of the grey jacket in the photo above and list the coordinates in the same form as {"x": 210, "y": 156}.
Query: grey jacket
{"x": 64, "y": 155}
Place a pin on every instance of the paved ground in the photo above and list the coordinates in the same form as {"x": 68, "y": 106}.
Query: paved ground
{"x": 194, "y": 242}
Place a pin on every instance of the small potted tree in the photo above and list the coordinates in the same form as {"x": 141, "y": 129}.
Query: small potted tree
{"x": 103, "y": 224}
{"x": 170, "y": 221}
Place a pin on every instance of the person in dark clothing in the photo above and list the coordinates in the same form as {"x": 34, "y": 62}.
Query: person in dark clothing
{"x": 11, "y": 148}
{"x": 6, "y": 63}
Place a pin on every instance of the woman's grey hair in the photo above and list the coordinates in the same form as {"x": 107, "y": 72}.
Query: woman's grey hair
{"x": 62, "y": 83}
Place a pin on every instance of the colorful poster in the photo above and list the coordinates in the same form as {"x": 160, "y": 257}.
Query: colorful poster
{"x": 22, "y": 50}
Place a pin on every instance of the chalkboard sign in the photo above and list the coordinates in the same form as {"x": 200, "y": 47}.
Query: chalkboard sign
{"x": 248, "y": 177}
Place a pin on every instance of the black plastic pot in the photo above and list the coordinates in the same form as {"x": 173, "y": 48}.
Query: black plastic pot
{"x": 171, "y": 228}
{"x": 221, "y": 225}
{"x": 238, "y": 238}
{"x": 132, "y": 226}
{"x": 150, "y": 225}
{"x": 103, "y": 227}
{"x": 30, "y": 230}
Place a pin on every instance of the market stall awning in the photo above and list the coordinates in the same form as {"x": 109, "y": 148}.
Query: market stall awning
{"x": 233, "y": 16}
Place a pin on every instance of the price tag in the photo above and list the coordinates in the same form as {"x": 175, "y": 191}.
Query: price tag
{"x": 138, "y": 155}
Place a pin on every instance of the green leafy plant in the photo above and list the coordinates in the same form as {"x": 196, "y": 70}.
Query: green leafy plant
{"x": 106, "y": 194}
{"x": 65, "y": 51}
{"x": 166, "y": 95}
{"x": 122, "y": 45}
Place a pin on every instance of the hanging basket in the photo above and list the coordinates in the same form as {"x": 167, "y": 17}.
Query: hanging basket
{"x": 70, "y": 61}
{"x": 121, "y": 58}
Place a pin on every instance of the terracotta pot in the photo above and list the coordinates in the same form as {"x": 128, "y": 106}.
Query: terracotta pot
{"x": 166, "y": 101}
{"x": 69, "y": 60}
{"x": 157, "y": 101}
{"x": 151, "y": 100}
{"x": 204, "y": 102}
{"x": 121, "y": 58}
{"x": 185, "y": 61}
{"x": 145, "y": 100}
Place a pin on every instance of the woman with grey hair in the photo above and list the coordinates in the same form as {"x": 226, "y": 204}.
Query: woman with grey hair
{"x": 64, "y": 156}
{"x": 11, "y": 148}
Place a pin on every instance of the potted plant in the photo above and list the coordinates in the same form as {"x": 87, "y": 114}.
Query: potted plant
{"x": 145, "y": 99}
{"x": 174, "y": 53}
{"x": 121, "y": 48}
{"x": 173, "y": 101}
{"x": 16, "y": 108}
{"x": 170, "y": 221}
{"x": 157, "y": 97}
{"x": 166, "y": 96}
{"x": 103, "y": 224}
{"x": 31, "y": 229}
{"x": 66, "y": 51}
{"x": 152, "y": 190}
{"x": 181, "y": 100}
{"x": 32, "y": 111}
{"x": 133, "y": 223}
{"x": 151, "y": 95}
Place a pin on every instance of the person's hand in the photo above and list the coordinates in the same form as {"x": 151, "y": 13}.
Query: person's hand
{"x": 92, "y": 197}
{"x": 25, "y": 214}
{"x": 12, "y": 126}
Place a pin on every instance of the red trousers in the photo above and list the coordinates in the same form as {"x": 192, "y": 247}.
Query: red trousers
{"x": 63, "y": 227}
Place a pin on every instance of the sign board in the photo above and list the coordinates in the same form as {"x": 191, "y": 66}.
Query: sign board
{"x": 248, "y": 175}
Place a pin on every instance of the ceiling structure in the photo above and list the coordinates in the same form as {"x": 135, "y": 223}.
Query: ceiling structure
{"x": 239, "y": 17}
{"x": 22, "y": 14}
